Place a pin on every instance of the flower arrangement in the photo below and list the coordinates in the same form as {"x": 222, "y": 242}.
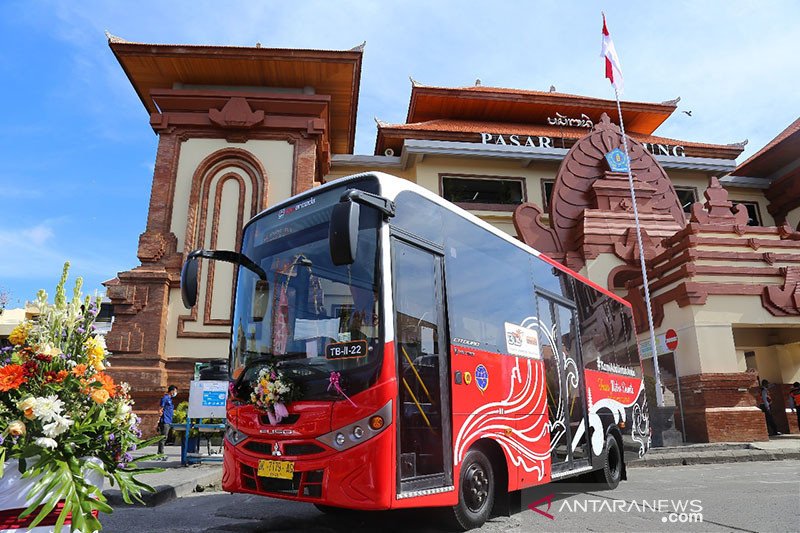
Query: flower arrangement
{"x": 272, "y": 390}
{"x": 62, "y": 415}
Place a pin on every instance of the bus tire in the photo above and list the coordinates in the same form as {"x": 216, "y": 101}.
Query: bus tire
{"x": 476, "y": 491}
{"x": 611, "y": 473}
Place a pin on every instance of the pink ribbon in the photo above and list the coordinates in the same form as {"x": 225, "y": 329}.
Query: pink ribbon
{"x": 278, "y": 413}
{"x": 334, "y": 382}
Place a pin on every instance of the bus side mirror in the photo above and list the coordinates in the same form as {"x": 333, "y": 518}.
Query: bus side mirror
{"x": 189, "y": 281}
{"x": 343, "y": 236}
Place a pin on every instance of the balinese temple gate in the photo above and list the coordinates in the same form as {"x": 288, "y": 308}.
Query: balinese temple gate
{"x": 243, "y": 128}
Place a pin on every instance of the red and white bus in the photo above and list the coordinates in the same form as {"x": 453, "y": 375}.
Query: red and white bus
{"x": 470, "y": 365}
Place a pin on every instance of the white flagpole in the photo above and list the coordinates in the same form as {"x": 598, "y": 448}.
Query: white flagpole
{"x": 659, "y": 394}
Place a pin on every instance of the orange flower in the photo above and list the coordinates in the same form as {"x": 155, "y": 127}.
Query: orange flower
{"x": 61, "y": 376}
{"x": 108, "y": 383}
{"x": 100, "y": 396}
{"x": 11, "y": 377}
{"x": 79, "y": 370}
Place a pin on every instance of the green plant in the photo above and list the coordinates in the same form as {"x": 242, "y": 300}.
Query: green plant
{"x": 180, "y": 413}
{"x": 62, "y": 415}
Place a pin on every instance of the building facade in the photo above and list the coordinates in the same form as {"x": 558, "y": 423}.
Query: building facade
{"x": 241, "y": 129}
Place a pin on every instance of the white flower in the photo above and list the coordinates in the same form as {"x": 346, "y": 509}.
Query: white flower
{"x": 59, "y": 425}
{"x": 45, "y": 442}
{"x": 47, "y": 409}
{"x": 123, "y": 412}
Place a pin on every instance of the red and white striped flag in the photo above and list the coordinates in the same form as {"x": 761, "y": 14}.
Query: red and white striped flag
{"x": 613, "y": 68}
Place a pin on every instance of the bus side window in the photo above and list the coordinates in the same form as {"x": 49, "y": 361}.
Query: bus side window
{"x": 419, "y": 216}
{"x": 486, "y": 282}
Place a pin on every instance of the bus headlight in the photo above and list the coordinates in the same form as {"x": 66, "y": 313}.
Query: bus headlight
{"x": 359, "y": 431}
{"x": 233, "y": 435}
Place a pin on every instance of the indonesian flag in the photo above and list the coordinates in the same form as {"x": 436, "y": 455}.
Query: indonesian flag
{"x": 613, "y": 67}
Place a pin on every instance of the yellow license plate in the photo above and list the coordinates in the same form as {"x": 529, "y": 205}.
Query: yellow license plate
{"x": 276, "y": 469}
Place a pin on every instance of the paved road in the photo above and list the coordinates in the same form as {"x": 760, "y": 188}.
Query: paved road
{"x": 758, "y": 496}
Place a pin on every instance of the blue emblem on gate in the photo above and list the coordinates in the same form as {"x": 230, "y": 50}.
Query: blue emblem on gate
{"x": 617, "y": 160}
{"x": 481, "y": 377}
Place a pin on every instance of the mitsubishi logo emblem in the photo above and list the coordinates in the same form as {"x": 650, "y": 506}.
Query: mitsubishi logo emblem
{"x": 276, "y": 450}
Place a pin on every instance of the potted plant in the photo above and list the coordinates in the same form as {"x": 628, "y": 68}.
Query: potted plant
{"x": 65, "y": 424}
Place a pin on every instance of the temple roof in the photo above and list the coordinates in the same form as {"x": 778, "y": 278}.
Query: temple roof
{"x": 328, "y": 72}
{"x": 497, "y": 104}
{"x": 779, "y": 152}
{"x": 392, "y": 135}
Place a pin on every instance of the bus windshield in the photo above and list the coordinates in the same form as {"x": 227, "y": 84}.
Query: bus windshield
{"x": 309, "y": 316}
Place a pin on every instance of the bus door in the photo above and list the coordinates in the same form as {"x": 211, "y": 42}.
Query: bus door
{"x": 424, "y": 456}
{"x": 566, "y": 401}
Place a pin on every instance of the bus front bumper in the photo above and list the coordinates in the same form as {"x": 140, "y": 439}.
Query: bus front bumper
{"x": 361, "y": 477}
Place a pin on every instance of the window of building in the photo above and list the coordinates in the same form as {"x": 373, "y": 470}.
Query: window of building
{"x": 750, "y": 361}
{"x": 484, "y": 192}
{"x": 547, "y": 193}
{"x": 753, "y": 213}
{"x": 686, "y": 196}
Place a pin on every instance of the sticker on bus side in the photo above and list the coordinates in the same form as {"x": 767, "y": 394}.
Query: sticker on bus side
{"x": 521, "y": 341}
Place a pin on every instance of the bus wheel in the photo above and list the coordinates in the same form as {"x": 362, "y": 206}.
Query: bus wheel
{"x": 611, "y": 472}
{"x": 476, "y": 491}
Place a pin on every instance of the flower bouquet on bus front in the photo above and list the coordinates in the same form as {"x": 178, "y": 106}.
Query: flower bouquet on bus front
{"x": 65, "y": 424}
{"x": 272, "y": 390}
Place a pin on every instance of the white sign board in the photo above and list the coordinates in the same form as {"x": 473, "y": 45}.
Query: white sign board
{"x": 665, "y": 343}
{"x": 207, "y": 399}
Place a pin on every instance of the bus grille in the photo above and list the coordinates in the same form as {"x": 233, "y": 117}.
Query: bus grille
{"x": 292, "y": 449}
{"x": 305, "y": 484}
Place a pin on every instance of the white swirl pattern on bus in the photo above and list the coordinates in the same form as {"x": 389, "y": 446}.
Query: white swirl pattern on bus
{"x": 527, "y": 395}
{"x": 491, "y": 419}
{"x": 641, "y": 425}
{"x": 640, "y": 430}
{"x": 564, "y": 365}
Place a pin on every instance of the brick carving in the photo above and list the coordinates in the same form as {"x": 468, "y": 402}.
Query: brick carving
{"x": 787, "y": 233}
{"x": 591, "y": 211}
{"x": 154, "y": 245}
{"x": 236, "y": 114}
{"x": 585, "y": 163}
{"x": 717, "y": 209}
{"x": 784, "y": 300}
{"x": 628, "y": 249}
{"x": 533, "y": 231}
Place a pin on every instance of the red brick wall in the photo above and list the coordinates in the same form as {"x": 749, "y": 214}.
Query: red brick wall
{"x": 722, "y": 408}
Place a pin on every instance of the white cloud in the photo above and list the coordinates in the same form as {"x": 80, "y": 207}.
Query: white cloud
{"x": 36, "y": 251}
{"x": 37, "y": 235}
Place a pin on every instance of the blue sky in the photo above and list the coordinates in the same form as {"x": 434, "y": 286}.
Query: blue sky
{"x": 78, "y": 152}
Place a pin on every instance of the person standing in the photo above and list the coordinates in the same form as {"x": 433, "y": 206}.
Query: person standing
{"x": 166, "y": 409}
{"x": 794, "y": 400}
{"x": 766, "y": 406}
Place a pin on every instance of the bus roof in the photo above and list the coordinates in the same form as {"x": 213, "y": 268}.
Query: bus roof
{"x": 391, "y": 186}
